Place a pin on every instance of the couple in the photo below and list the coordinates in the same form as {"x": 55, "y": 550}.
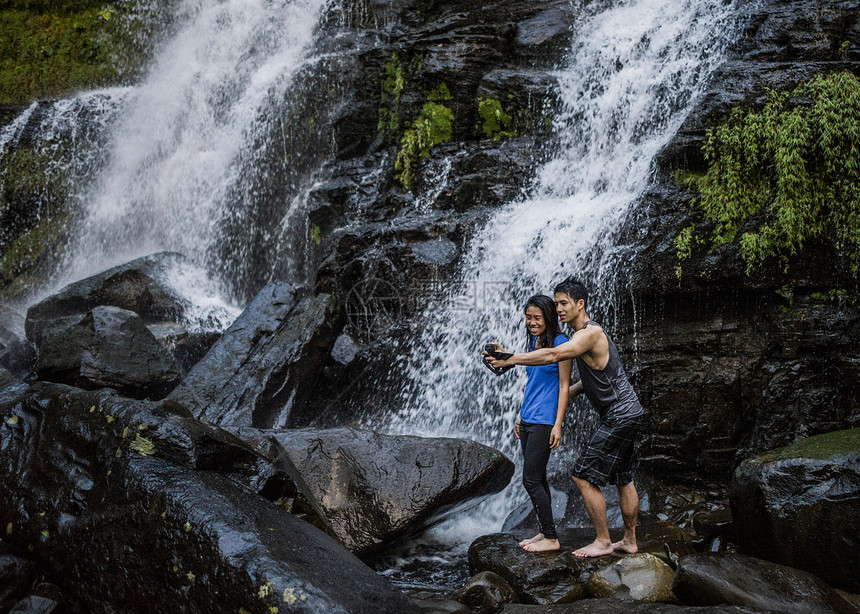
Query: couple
{"x": 608, "y": 456}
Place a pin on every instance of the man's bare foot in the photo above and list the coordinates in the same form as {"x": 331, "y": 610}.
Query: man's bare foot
{"x": 542, "y": 545}
{"x": 625, "y": 546}
{"x": 531, "y": 539}
{"x": 595, "y": 548}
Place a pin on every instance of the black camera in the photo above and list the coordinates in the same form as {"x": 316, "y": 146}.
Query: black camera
{"x": 493, "y": 351}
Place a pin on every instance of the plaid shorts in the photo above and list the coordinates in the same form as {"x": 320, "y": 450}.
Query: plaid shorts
{"x": 609, "y": 457}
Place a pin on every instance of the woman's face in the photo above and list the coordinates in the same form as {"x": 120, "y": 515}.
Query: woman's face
{"x": 534, "y": 320}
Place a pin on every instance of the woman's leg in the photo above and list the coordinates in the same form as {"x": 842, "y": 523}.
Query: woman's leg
{"x": 524, "y": 444}
{"x": 535, "y": 458}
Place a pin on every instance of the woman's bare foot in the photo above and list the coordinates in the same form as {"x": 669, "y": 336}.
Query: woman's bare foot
{"x": 542, "y": 545}
{"x": 625, "y": 546}
{"x": 531, "y": 539}
{"x": 593, "y": 549}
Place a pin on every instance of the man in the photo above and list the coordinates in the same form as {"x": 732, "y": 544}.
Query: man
{"x": 608, "y": 457}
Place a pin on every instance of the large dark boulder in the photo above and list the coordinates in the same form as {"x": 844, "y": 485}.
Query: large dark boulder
{"x": 264, "y": 367}
{"x": 734, "y": 579}
{"x": 641, "y": 577}
{"x": 486, "y": 593}
{"x": 17, "y": 354}
{"x": 137, "y": 507}
{"x": 108, "y": 347}
{"x": 142, "y": 286}
{"x": 792, "y": 506}
{"x": 374, "y": 489}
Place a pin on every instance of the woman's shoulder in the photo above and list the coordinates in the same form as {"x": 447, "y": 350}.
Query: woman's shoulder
{"x": 562, "y": 338}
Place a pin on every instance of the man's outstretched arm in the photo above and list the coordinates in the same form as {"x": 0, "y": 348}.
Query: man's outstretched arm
{"x": 581, "y": 342}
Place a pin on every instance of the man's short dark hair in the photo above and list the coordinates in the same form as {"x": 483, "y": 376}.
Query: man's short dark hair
{"x": 573, "y": 288}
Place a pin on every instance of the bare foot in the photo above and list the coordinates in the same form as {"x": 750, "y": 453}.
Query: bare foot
{"x": 625, "y": 546}
{"x": 542, "y": 545}
{"x": 531, "y": 539}
{"x": 595, "y": 548}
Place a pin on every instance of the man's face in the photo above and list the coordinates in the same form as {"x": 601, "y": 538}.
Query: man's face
{"x": 566, "y": 307}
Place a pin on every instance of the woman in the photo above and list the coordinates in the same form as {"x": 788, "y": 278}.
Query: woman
{"x": 538, "y": 426}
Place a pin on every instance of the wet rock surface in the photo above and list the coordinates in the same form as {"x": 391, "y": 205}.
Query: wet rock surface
{"x": 734, "y": 579}
{"x": 559, "y": 577}
{"x": 264, "y": 367}
{"x": 108, "y": 347}
{"x": 17, "y": 354}
{"x": 486, "y": 593}
{"x": 141, "y": 508}
{"x": 374, "y": 489}
{"x": 792, "y": 506}
{"x": 641, "y": 577}
{"x": 141, "y": 286}
{"x": 728, "y": 364}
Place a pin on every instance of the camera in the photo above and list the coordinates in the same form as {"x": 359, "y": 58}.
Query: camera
{"x": 493, "y": 351}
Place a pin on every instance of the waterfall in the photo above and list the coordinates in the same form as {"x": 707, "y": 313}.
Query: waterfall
{"x": 195, "y": 158}
{"x": 635, "y": 70}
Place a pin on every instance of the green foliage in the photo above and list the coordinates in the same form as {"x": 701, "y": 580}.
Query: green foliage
{"x": 684, "y": 244}
{"x": 49, "y": 49}
{"x": 787, "y": 173}
{"x": 396, "y": 71}
{"x": 496, "y": 123}
{"x": 432, "y": 126}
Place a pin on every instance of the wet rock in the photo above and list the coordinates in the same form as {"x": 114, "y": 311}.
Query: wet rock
{"x": 440, "y": 605}
{"x": 36, "y": 605}
{"x": 17, "y": 354}
{"x": 17, "y": 578}
{"x": 641, "y": 577}
{"x": 141, "y": 286}
{"x": 108, "y": 347}
{"x": 186, "y": 345}
{"x": 613, "y": 606}
{"x": 265, "y": 366}
{"x": 486, "y": 593}
{"x": 734, "y": 579}
{"x": 357, "y": 478}
{"x": 344, "y": 350}
{"x": 791, "y": 506}
{"x": 558, "y": 577}
{"x": 715, "y": 525}
{"x": 139, "y": 512}
{"x": 10, "y": 387}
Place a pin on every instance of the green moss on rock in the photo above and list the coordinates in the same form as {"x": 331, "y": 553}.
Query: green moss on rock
{"x": 786, "y": 174}
{"x": 495, "y": 123}
{"x": 433, "y": 126}
{"x": 821, "y": 447}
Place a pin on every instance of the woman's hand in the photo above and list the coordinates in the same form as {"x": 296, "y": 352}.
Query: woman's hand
{"x": 498, "y": 346}
{"x": 517, "y": 429}
{"x": 554, "y": 437}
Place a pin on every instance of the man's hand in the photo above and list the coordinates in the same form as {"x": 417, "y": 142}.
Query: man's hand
{"x": 554, "y": 437}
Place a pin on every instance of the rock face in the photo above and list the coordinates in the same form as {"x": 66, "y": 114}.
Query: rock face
{"x": 16, "y": 353}
{"x": 108, "y": 347}
{"x": 734, "y": 579}
{"x": 486, "y": 593}
{"x": 264, "y": 367}
{"x": 792, "y": 506}
{"x": 728, "y": 364}
{"x": 140, "y": 286}
{"x": 142, "y": 509}
{"x": 559, "y": 577}
{"x": 641, "y": 577}
{"x": 374, "y": 488}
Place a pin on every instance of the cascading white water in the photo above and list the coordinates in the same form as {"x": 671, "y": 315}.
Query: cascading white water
{"x": 179, "y": 154}
{"x": 635, "y": 69}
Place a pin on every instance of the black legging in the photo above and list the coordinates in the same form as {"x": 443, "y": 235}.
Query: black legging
{"x": 534, "y": 439}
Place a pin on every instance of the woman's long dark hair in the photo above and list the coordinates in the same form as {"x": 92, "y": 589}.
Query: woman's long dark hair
{"x": 550, "y": 317}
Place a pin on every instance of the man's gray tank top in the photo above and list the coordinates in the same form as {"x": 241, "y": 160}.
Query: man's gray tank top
{"x": 608, "y": 389}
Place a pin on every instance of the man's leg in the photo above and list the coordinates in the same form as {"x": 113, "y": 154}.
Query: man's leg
{"x": 595, "y": 505}
{"x": 629, "y": 499}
